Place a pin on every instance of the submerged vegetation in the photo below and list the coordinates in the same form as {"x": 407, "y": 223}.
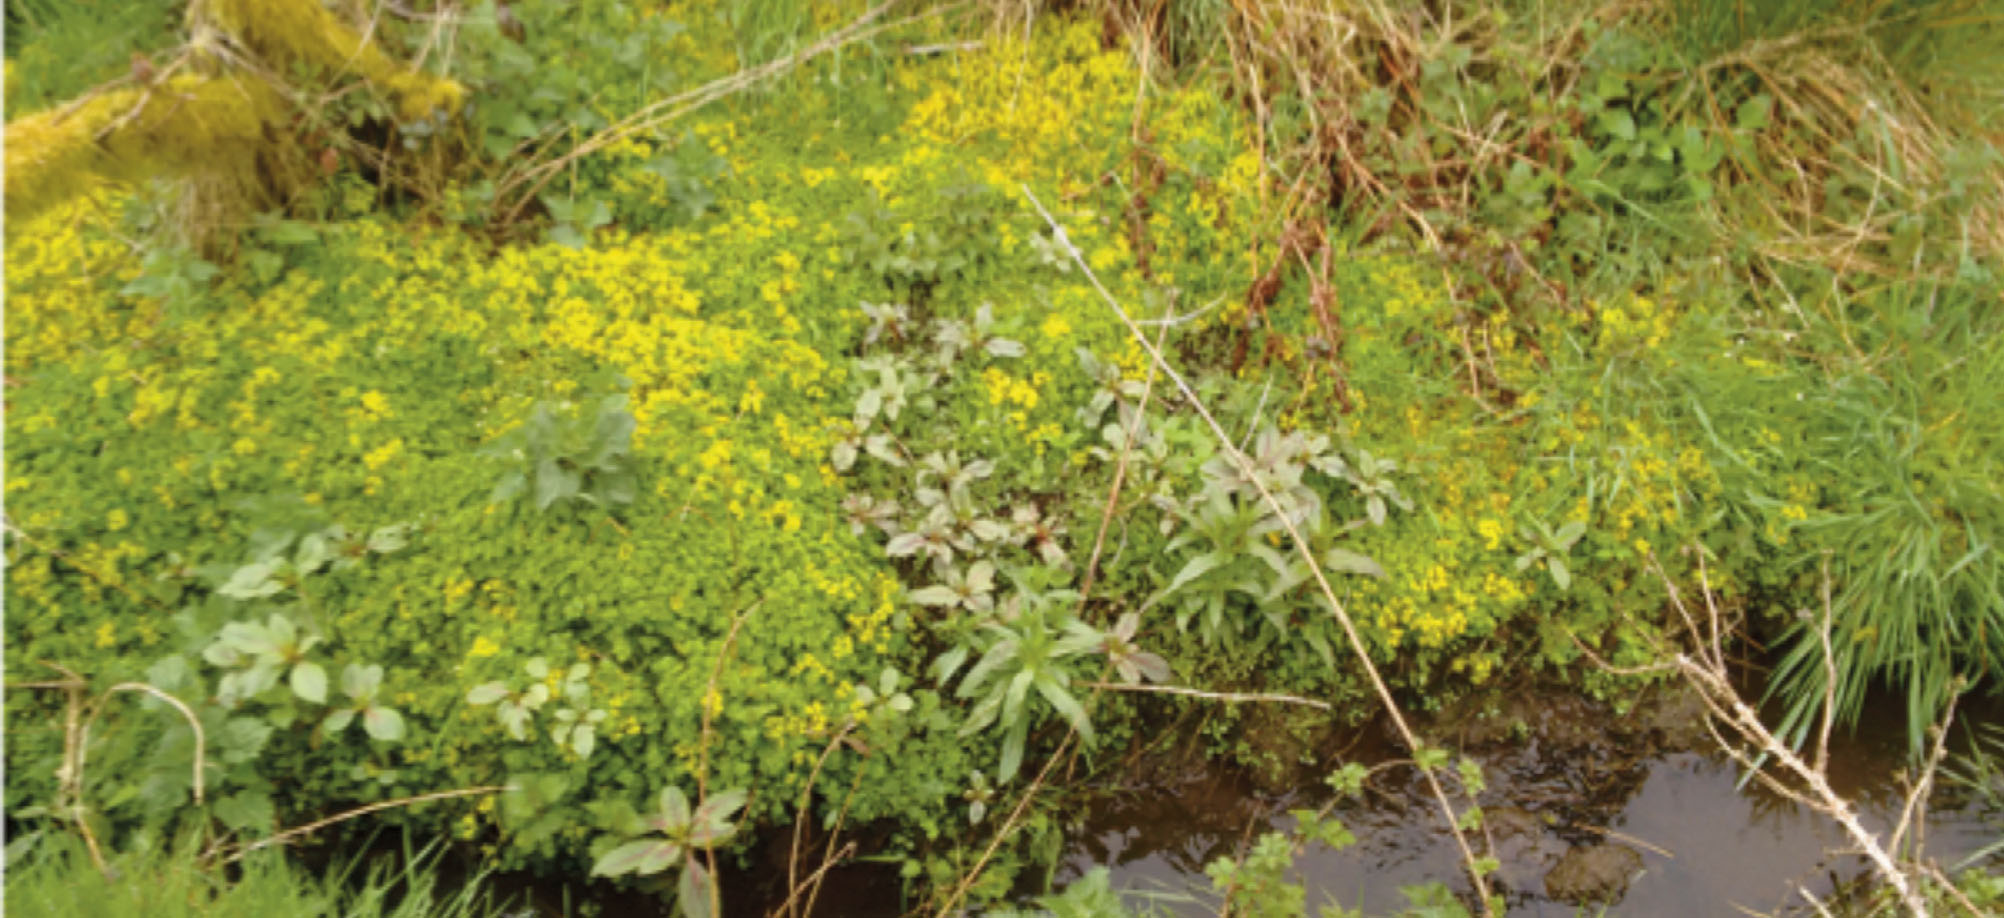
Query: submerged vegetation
{"x": 628, "y": 437}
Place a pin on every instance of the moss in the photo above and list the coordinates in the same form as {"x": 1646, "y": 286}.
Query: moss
{"x": 181, "y": 127}
{"x": 304, "y": 32}
{"x": 220, "y": 132}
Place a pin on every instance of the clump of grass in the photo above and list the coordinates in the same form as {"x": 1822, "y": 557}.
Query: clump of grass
{"x": 1902, "y": 429}
{"x": 59, "y": 48}
{"x": 56, "y": 879}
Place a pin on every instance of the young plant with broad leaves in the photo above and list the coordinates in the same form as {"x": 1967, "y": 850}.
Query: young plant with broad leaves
{"x": 564, "y": 456}
{"x": 576, "y": 721}
{"x": 1028, "y": 646}
{"x": 362, "y": 684}
{"x": 671, "y": 837}
{"x": 1551, "y": 548}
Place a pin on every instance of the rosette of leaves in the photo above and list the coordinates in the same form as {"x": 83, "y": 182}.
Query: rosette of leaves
{"x": 671, "y": 837}
{"x": 1024, "y": 649}
{"x": 1372, "y": 478}
{"x": 1551, "y": 548}
{"x": 942, "y": 476}
{"x": 260, "y": 653}
{"x": 1231, "y": 539}
{"x": 897, "y": 384}
{"x": 1133, "y": 664}
{"x": 577, "y": 721}
{"x": 972, "y": 589}
{"x": 279, "y": 558}
{"x": 576, "y": 726}
{"x": 887, "y": 321}
{"x": 563, "y": 456}
{"x": 884, "y": 695}
{"x": 1110, "y": 386}
{"x": 954, "y": 337}
{"x": 979, "y": 794}
{"x": 1278, "y": 463}
{"x": 863, "y": 511}
{"x": 362, "y": 683}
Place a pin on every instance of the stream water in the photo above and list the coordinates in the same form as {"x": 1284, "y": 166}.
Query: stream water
{"x": 1568, "y": 778}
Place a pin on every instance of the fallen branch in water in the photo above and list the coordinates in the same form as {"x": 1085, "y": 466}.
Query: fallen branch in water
{"x": 1777, "y": 765}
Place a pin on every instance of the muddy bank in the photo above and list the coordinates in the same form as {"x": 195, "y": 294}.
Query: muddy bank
{"x": 1584, "y": 806}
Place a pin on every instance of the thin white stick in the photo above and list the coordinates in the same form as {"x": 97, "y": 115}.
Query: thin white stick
{"x": 1228, "y": 697}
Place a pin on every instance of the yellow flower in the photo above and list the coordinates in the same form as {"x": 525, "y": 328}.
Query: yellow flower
{"x": 377, "y": 405}
{"x": 1492, "y": 533}
{"x": 106, "y": 635}
{"x": 116, "y": 520}
{"x": 1055, "y": 326}
{"x": 377, "y": 458}
{"x": 483, "y": 647}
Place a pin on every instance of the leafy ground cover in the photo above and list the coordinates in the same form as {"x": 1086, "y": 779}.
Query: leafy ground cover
{"x": 782, "y": 464}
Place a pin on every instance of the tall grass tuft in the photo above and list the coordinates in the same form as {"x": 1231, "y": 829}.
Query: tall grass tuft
{"x": 1907, "y": 435}
{"x": 56, "y": 879}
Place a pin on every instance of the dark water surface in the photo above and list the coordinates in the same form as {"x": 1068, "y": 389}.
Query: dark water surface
{"x": 1707, "y": 845}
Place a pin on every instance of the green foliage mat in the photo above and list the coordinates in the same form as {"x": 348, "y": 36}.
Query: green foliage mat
{"x": 401, "y": 510}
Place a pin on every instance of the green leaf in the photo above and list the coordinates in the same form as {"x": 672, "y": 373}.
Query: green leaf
{"x": 390, "y": 538}
{"x": 718, "y": 809}
{"x": 1344, "y": 561}
{"x": 360, "y": 682}
{"x": 989, "y": 663}
{"x": 1470, "y": 772}
{"x": 1067, "y": 706}
{"x": 553, "y": 484}
{"x": 337, "y": 720}
{"x": 1348, "y": 780}
{"x": 515, "y": 719}
{"x": 511, "y": 486}
{"x": 309, "y": 682}
{"x": 1012, "y": 751}
{"x": 1618, "y": 122}
{"x": 673, "y": 815}
{"x": 486, "y": 693}
{"x": 1197, "y": 567}
{"x": 949, "y": 662}
{"x": 983, "y": 714}
{"x": 248, "y": 811}
{"x": 252, "y": 581}
{"x": 1151, "y": 667}
{"x": 935, "y": 595}
{"x": 1752, "y": 115}
{"x": 641, "y": 858}
{"x": 1560, "y": 575}
{"x": 313, "y": 553}
{"x": 383, "y": 723}
{"x": 693, "y": 890}
{"x": 291, "y": 232}
{"x": 1012, "y": 703}
{"x": 242, "y": 739}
